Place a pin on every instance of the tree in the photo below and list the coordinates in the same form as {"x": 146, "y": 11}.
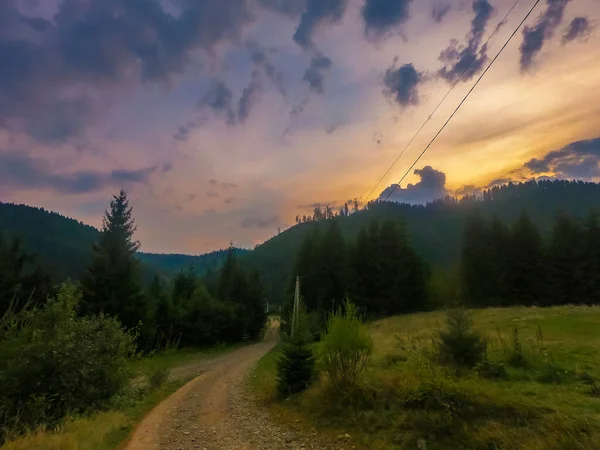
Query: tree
{"x": 526, "y": 271}
{"x": 591, "y": 258}
{"x": 112, "y": 282}
{"x": 565, "y": 262}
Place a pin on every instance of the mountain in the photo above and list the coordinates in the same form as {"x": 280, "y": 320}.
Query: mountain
{"x": 436, "y": 228}
{"x": 63, "y": 245}
{"x": 172, "y": 264}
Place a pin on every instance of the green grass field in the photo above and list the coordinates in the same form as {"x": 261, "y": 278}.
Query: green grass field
{"x": 109, "y": 429}
{"x": 406, "y": 400}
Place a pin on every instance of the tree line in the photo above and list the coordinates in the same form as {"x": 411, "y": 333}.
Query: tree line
{"x": 500, "y": 264}
{"x": 379, "y": 271}
{"x": 189, "y": 310}
{"x": 505, "y": 265}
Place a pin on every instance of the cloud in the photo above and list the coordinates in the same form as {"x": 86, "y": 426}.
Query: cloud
{"x": 25, "y": 172}
{"x": 431, "y": 187}
{"x": 261, "y": 60}
{"x": 439, "y": 11}
{"x": 291, "y": 8}
{"x": 261, "y": 222}
{"x": 467, "y": 190}
{"x": 314, "y": 74}
{"x": 467, "y": 61}
{"x": 578, "y": 29}
{"x": 401, "y": 84}
{"x": 224, "y": 185}
{"x": 248, "y": 99}
{"x": 219, "y": 98}
{"x": 383, "y": 16}
{"x": 577, "y": 160}
{"x": 52, "y": 69}
{"x": 535, "y": 36}
{"x": 318, "y": 13}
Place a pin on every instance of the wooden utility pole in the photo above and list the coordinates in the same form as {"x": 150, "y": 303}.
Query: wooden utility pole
{"x": 295, "y": 311}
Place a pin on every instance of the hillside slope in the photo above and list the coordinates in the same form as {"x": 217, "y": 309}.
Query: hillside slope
{"x": 63, "y": 246}
{"x": 436, "y": 228}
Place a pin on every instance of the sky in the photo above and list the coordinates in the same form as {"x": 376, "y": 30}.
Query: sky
{"x": 224, "y": 119}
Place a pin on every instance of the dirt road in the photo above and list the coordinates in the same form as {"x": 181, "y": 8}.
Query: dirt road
{"x": 212, "y": 412}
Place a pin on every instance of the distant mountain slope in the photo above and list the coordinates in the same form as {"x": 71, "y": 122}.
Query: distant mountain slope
{"x": 436, "y": 228}
{"x": 63, "y": 245}
{"x": 174, "y": 263}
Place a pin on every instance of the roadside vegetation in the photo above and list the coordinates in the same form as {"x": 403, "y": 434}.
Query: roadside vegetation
{"x": 81, "y": 362}
{"x": 498, "y": 378}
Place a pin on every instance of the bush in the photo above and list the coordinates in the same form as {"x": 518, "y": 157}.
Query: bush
{"x": 346, "y": 347}
{"x": 459, "y": 343}
{"x": 53, "y": 363}
{"x": 158, "y": 377}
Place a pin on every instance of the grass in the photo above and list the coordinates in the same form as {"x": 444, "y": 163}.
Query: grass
{"x": 108, "y": 430}
{"x": 405, "y": 400}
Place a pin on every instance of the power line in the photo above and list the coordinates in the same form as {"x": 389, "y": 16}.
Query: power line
{"x": 394, "y": 187}
{"x": 458, "y": 80}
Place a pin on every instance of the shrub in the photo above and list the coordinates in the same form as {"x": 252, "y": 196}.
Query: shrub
{"x": 459, "y": 343}
{"x": 158, "y": 377}
{"x": 295, "y": 368}
{"x": 296, "y": 365}
{"x": 53, "y": 363}
{"x": 346, "y": 347}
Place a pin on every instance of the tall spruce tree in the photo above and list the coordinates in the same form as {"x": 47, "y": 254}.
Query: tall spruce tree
{"x": 112, "y": 282}
{"x": 526, "y": 268}
{"x": 565, "y": 262}
{"x": 591, "y": 258}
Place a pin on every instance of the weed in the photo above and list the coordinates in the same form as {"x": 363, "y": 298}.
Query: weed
{"x": 159, "y": 377}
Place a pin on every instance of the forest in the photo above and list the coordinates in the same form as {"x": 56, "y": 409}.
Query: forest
{"x": 64, "y": 347}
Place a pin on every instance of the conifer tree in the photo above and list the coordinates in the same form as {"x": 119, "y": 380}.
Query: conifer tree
{"x": 591, "y": 259}
{"x": 112, "y": 281}
{"x": 526, "y": 274}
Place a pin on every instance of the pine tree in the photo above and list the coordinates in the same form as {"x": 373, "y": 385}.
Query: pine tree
{"x": 112, "y": 281}
{"x": 526, "y": 274}
{"x": 565, "y": 262}
{"x": 591, "y": 259}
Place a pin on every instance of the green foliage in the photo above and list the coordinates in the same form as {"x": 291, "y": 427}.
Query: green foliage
{"x": 159, "y": 377}
{"x": 296, "y": 364}
{"x": 346, "y": 347}
{"x": 53, "y": 363}
{"x": 459, "y": 343}
{"x": 112, "y": 282}
{"x": 295, "y": 367}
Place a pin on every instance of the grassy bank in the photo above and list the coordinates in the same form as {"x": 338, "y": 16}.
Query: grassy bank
{"x": 539, "y": 389}
{"x": 107, "y": 430}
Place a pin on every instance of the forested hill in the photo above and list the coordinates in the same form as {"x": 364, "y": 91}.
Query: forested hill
{"x": 436, "y": 228}
{"x": 63, "y": 246}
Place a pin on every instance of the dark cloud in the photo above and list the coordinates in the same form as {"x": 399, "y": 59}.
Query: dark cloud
{"x": 383, "y": 16}
{"x": 331, "y": 129}
{"x": 467, "y": 61}
{"x": 431, "y": 187}
{"x": 316, "y": 14}
{"x": 579, "y": 28}
{"x": 577, "y": 160}
{"x": 260, "y": 58}
{"x": 439, "y": 11}
{"x": 219, "y": 99}
{"x": 402, "y": 84}
{"x": 222, "y": 184}
{"x": 535, "y": 36}
{"x": 261, "y": 222}
{"x": 314, "y": 74}
{"x": 25, "y": 172}
{"x": 229, "y": 200}
{"x": 290, "y": 8}
{"x": 97, "y": 45}
{"x": 248, "y": 99}
{"x": 498, "y": 182}
{"x": 184, "y": 131}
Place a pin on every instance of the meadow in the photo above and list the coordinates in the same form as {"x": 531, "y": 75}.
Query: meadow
{"x": 537, "y": 389}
